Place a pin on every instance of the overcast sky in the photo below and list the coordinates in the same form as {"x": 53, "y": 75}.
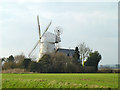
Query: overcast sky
{"x": 95, "y": 23}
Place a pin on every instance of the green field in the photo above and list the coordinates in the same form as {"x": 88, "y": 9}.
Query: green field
{"x": 60, "y": 80}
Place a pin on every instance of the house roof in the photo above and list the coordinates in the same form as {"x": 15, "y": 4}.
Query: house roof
{"x": 69, "y": 52}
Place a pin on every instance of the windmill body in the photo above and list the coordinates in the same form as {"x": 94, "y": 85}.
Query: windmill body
{"x": 47, "y": 44}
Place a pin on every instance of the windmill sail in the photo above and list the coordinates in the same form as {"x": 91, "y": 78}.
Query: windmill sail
{"x": 39, "y": 27}
{"x": 34, "y": 48}
{"x": 46, "y": 28}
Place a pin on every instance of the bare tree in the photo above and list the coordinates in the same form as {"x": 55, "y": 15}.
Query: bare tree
{"x": 84, "y": 51}
{"x": 19, "y": 58}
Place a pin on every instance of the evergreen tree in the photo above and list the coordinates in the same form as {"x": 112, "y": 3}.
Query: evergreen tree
{"x": 11, "y": 59}
{"x": 93, "y": 59}
{"x": 76, "y": 55}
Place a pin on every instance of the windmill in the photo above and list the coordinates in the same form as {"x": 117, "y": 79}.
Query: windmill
{"x": 46, "y": 41}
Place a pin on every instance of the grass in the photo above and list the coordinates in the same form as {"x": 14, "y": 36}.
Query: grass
{"x": 60, "y": 80}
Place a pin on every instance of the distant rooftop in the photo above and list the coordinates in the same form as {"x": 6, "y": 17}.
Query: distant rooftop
{"x": 68, "y": 52}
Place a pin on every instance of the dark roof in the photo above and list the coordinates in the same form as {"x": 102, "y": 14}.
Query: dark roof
{"x": 69, "y": 52}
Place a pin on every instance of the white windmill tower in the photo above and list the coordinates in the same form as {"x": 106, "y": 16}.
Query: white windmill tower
{"x": 46, "y": 41}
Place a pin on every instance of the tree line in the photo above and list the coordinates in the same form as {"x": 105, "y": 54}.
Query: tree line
{"x": 57, "y": 62}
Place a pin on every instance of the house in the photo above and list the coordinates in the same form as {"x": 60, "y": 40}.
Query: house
{"x": 68, "y": 52}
